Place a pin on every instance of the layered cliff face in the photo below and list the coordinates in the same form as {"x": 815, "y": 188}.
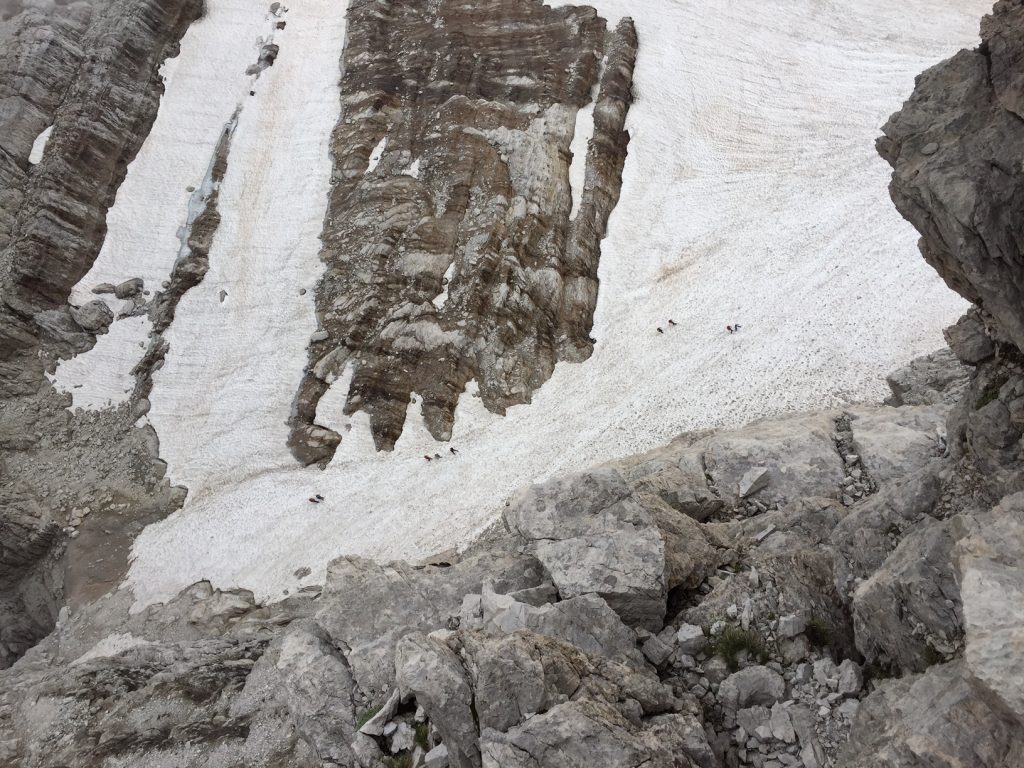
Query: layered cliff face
{"x": 455, "y": 244}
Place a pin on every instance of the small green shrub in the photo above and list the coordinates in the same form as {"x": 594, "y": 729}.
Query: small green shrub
{"x": 403, "y": 760}
{"x": 734, "y": 641}
{"x": 423, "y": 737}
{"x": 366, "y": 715}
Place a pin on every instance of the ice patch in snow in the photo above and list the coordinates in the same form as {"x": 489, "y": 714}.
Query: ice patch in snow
{"x": 442, "y": 298}
{"x": 39, "y": 146}
{"x": 413, "y": 170}
{"x": 102, "y": 377}
{"x": 377, "y": 154}
{"x": 752, "y": 194}
{"x": 580, "y": 143}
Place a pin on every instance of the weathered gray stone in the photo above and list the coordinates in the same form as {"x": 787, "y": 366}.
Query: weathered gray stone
{"x": 94, "y": 316}
{"x": 690, "y": 639}
{"x": 938, "y": 378}
{"x": 594, "y": 537}
{"x": 911, "y": 608}
{"x": 969, "y": 341}
{"x": 128, "y": 288}
{"x": 751, "y": 686}
{"x": 430, "y": 671}
{"x": 933, "y": 719}
{"x": 895, "y": 442}
{"x": 851, "y": 679}
{"x": 989, "y": 562}
{"x": 797, "y": 451}
{"x": 586, "y": 622}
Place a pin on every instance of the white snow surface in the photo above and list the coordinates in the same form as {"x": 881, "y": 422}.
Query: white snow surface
{"x": 35, "y": 156}
{"x": 102, "y": 377}
{"x": 752, "y": 194}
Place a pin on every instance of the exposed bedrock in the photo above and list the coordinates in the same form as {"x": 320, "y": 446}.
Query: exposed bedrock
{"x": 451, "y": 246}
{"x": 79, "y": 90}
{"x": 91, "y": 74}
{"x": 737, "y": 598}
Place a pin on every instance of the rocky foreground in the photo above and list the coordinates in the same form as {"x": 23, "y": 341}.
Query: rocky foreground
{"x": 841, "y": 588}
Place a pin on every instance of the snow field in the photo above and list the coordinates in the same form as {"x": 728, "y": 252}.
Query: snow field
{"x": 752, "y": 194}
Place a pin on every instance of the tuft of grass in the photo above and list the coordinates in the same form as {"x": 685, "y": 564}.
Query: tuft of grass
{"x": 366, "y": 715}
{"x": 402, "y": 760}
{"x": 734, "y": 641}
{"x": 818, "y": 633}
{"x": 423, "y": 737}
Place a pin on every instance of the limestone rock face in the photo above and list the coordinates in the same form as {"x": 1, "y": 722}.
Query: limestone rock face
{"x": 460, "y": 254}
{"x": 963, "y": 194}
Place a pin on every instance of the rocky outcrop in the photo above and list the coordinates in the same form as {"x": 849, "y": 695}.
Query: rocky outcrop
{"x": 457, "y": 253}
{"x": 954, "y": 147}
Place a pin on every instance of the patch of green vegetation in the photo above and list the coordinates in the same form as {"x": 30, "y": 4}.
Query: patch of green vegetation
{"x": 991, "y": 391}
{"x": 733, "y": 641}
{"x": 401, "y": 760}
{"x": 423, "y": 737}
{"x": 818, "y": 632}
{"x": 366, "y": 715}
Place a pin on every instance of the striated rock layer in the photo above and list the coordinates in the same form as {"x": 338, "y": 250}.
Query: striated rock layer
{"x": 452, "y": 245}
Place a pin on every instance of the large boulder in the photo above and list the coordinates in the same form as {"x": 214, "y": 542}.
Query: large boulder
{"x": 798, "y": 453}
{"x": 930, "y": 380}
{"x": 594, "y": 535}
{"x": 895, "y": 442}
{"x": 872, "y": 529}
{"x": 369, "y": 606}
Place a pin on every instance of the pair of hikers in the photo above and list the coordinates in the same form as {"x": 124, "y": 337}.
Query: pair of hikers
{"x": 316, "y": 499}
{"x": 670, "y": 322}
{"x": 733, "y": 328}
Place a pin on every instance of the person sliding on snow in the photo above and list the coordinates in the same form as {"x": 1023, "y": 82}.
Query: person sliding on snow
{"x": 660, "y": 331}
{"x": 672, "y": 322}
{"x": 728, "y": 328}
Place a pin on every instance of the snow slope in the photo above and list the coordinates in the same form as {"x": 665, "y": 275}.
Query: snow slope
{"x": 752, "y": 194}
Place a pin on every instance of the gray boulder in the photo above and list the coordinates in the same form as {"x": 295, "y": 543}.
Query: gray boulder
{"x": 751, "y": 686}
{"x": 369, "y": 606}
{"x": 895, "y": 442}
{"x": 93, "y": 316}
{"x": 797, "y": 452}
{"x": 911, "y": 608}
{"x": 968, "y": 339}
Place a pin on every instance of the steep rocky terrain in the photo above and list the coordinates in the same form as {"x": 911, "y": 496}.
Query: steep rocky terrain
{"x": 833, "y": 588}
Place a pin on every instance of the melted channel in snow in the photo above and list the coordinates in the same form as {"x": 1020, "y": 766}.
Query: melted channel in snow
{"x": 752, "y": 194}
